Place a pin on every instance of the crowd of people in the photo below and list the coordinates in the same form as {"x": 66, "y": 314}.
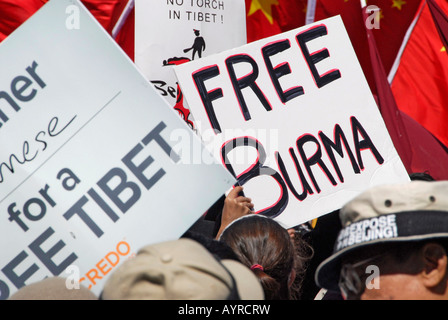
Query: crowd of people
{"x": 389, "y": 242}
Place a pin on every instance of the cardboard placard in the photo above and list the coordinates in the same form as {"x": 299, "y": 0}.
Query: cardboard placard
{"x": 88, "y": 169}
{"x": 292, "y": 117}
{"x": 172, "y": 32}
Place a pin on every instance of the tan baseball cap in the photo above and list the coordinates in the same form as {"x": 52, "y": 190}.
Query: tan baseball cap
{"x": 413, "y": 211}
{"x": 52, "y": 288}
{"x": 181, "y": 270}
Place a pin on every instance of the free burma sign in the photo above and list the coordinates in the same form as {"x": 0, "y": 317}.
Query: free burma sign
{"x": 293, "y": 119}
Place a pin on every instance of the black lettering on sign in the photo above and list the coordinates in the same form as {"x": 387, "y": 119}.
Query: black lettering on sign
{"x": 364, "y": 144}
{"x": 208, "y": 97}
{"x": 246, "y": 81}
{"x": 306, "y": 160}
{"x": 28, "y": 155}
{"x": 25, "y": 270}
{"x": 119, "y": 187}
{"x": 316, "y": 57}
{"x": 316, "y": 158}
{"x": 306, "y": 188}
{"x": 34, "y": 208}
{"x": 280, "y": 70}
{"x": 21, "y": 88}
{"x": 329, "y": 145}
{"x": 256, "y": 169}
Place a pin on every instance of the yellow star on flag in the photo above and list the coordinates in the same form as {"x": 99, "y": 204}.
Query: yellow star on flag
{"x": 265, "y": 6}
{"x": 443, "y": 49}
{"x": 398, "y": 4}
{"x": 379, "y": 15}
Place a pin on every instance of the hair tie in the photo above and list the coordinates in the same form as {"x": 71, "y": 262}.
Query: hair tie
{"x": 257, "y": 266}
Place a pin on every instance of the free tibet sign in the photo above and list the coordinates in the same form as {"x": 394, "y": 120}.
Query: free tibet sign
{"x": 293, "y": 119}
{"x": 88, "y": 169}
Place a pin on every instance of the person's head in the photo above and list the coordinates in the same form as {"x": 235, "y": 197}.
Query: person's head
{"x": 414, "y": 270}
{"x": 266, "y": 247}
{"x": 217, "y": 248}
{"x": 392, "y": 244}
{"x": 181, "y": 270}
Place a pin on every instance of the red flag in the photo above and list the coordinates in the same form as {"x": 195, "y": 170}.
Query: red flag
{"x": 441, "y": 21}
{"x": 14, "y": 13}
{"x": 395, "y": 17}
{"x": 265, "y": 18}
{"x": 387, "y": 105}
{"x": 126, "y": 36}
{"x": 420, "y": 84}
{"x": 418, "y": 149}
{"x": 393, "y": 20}
{"x": 106, "y": 12}
{"x": 350, "y": 12}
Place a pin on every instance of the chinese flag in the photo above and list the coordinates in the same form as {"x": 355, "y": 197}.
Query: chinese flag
{"x": 394, "y": 19}
{"x": 265, "y": 18}
{"x": 387, "y": 105}
{"x": 418, "y": 149}
{"x": 440, "y": 20}
{"x": 420, "y": 84}
{"x": 392, "y": 23}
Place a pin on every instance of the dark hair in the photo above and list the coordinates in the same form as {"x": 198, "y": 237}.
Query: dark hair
{"x": 219, "y": 249}
{"x": 258, "y": 240}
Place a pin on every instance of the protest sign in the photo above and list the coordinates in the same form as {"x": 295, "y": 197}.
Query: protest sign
{"x": 292, "y": 117}
{"x": 88, "y": 174}
{"x": 172, "y": 32}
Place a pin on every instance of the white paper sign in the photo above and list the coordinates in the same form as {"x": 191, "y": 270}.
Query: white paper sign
{"x": 88, "y": 170}
{"x": 172, "y": 32}
{"x": 293, "y": 118}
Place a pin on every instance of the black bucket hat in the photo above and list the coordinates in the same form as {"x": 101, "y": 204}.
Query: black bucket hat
{"x": 413, "y": 211}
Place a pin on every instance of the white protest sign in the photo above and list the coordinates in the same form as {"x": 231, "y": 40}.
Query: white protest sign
{"x": 292, "y": 117}
{"x": 88, "y": 174}
{"x": 172, "y": 32}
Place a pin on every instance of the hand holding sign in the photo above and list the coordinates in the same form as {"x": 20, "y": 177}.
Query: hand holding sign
{"x": 235, "y": 206}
